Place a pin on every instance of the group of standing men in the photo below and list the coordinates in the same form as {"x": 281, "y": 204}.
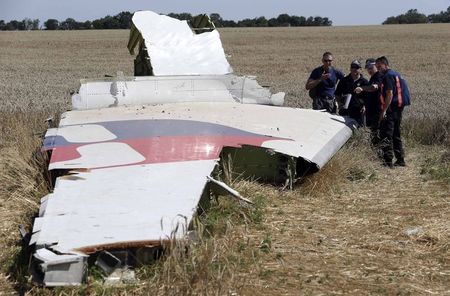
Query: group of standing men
{"x": 376, "y": 103}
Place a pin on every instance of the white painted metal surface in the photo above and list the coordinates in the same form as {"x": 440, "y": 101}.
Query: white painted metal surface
{"x": 131, "y": 204}
{"x": 104, "y": 93}
{"x": 175, "y": 50}
{"x": 313, "y": 135}
{"x": 133, "y": 192}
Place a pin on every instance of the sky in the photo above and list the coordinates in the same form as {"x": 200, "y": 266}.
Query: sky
{"x": 341, "y": 12}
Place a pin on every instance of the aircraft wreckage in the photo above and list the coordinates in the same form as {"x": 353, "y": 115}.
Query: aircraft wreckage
{"x": 136, "y": 155}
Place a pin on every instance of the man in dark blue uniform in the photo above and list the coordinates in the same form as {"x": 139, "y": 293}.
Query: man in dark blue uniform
{"x": 322, "y": 83}
{"x": 390, "y": 115}
{"x": 346, "y": 86}
{"x": 372, "y": 100}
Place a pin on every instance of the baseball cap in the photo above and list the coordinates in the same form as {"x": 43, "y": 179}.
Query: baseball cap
{"x": 355, "y": 64}
{"x": 370, "y": 63}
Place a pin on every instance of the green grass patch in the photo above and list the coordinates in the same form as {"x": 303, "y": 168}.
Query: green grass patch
{"x": 436, "y": 166}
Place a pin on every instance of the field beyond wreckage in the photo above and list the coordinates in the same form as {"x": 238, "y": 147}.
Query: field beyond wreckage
{"x": 353, "y": 228}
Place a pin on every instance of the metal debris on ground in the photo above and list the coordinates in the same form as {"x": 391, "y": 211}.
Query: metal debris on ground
{"x": 128, "y": 179}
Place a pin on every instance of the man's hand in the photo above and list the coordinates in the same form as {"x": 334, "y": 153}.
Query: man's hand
{"x": 363, "y": 110}
{"x": 358, "y": 90}
{"x": 382, "y": 116}
{"x": 325, "y": 76}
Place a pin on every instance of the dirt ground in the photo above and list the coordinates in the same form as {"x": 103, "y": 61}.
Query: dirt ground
{"x": 385, "y": 235}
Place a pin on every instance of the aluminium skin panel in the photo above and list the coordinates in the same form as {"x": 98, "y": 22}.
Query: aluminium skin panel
{"x": 147, "y": 166}
{"x": 175, "y": 50}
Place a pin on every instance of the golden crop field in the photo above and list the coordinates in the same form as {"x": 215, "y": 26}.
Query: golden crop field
{"x": 354, "y": 228}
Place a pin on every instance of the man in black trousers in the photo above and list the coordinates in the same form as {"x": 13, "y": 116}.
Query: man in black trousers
{"x": 392, "y": 104}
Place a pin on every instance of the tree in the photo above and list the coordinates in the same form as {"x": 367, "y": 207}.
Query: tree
{"x": 309, "y": 21}
{"x": 229, "y": 23}
{"x": 108, "y": 22}
{"x": 87, "y": 25}
{"x": 261, "y": 22}
{"x": 273, "y": 22}
{"x": 298, "y": 21}
{"x": 317, "y": 21}
{"x": 181, "y": 16}
{"x": 2, "y": 25}
{"x": 442, "y": 17}
{"x": 284, "y": 20}
{"x": 51, "y": 24}
{"x": 392, "y": 20}
{"x": 35, "y": 25}
{"x": 29, "y": 24}
{"x": 245, "y": 23}
{"x": 12, "y": 25}
{"x": 326, "y": 22}
{"x": 124, "y": 19}
{"x": 69, "y": 24}
{"x": 216, "y": 19}
{"x": 412, "y": 16}
{"x": 415, "y": 17}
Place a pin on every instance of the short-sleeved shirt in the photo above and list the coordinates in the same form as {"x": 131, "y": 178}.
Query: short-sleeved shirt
{"x": 372, "y": 99}
{"x": 327, "y": 87}
{"x": 389, "y": 83}
{"x": 347, "y": 86}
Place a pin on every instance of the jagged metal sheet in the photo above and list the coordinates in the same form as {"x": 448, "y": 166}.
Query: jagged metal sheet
{"x": 174, "y": 49}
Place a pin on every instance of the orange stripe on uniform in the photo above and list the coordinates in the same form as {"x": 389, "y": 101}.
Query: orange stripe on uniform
{"x": 399, "y": 91}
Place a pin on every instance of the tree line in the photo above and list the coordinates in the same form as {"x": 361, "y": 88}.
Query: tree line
{"x": 283, "y": 20}
{"x": 123, "y": 21}
{"x": 412, "y": 16}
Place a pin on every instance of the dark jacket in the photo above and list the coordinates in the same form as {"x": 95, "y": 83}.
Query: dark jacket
{"x": 347, "y": 86}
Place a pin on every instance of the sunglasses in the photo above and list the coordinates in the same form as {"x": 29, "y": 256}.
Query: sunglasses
{"x": 328, "y": 61}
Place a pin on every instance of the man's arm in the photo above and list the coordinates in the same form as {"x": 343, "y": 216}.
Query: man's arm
{"x": 368, "y": 88}
{"x": 389, "y": 84}
{"x": 313, "y": 81}
{"x": 387, "y": 103}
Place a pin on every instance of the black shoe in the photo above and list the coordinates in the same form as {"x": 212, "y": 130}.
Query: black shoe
{"x": 388, "y": 164}
{"x": 400, "y": 162}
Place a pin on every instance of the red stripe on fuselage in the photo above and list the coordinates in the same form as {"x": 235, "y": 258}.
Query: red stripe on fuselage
{"x": 169, "y": 149}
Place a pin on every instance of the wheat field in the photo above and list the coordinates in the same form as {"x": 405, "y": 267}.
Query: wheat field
{"x": 354, "y": 228}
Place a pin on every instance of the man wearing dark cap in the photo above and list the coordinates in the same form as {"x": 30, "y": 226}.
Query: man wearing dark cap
{"x": 372, "y": 99}
{"x": 353, "y": 105}
{"x": 322, "y": 83}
